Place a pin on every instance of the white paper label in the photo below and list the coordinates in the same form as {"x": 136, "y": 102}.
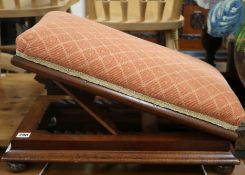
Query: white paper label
{"x": 9, "y": 148}
{"x": 23, "y": 135}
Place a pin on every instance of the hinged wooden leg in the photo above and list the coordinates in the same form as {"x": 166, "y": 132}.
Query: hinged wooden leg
{"x": 108, "y": 125}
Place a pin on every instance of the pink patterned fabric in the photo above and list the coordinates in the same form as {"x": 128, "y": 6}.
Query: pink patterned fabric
{"x": 132, "y": 63}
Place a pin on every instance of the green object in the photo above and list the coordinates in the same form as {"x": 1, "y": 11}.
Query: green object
{"x": 240, "y": 43}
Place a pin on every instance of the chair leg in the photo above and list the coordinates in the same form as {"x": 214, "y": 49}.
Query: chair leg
{"x": 171, "y": 37}
{"x": 176, "y": 38}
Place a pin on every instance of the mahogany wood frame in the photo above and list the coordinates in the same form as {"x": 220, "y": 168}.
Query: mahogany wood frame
{"x": 124, "y": 99}
{"x": 213, "y": 145}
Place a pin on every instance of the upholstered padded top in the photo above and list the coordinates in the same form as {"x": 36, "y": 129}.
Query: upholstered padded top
{"x": 137, "y": 68}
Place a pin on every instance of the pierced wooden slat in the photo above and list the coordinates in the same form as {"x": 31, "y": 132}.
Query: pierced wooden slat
{"x": 160, "y": 9}
{"x": 1, "y": 4}
{"x": 33, "y": 3}
{"x": 108, "y": 125}
{"x": 54, "y": 2}
{"x": 124, "y": 7}
{"x": 143, "y": 4}
{"x": 106, "y": 7}
{"x": 91, "y": 9}
{"x": 17, "y": 3}
{"x": 176, "y": 9}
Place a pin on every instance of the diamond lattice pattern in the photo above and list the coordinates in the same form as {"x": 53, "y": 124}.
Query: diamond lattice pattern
{"x": 132, "y": 63}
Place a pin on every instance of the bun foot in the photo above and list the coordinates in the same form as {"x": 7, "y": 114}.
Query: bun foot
{"x": 16, "y": 167}
{"x": 224, "y": 169}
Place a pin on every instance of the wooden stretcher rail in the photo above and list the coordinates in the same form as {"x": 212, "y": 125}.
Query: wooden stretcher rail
{"x": 122, "y": 98}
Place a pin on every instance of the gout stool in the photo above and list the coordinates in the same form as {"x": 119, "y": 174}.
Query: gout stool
{"x": 127, "y": 100}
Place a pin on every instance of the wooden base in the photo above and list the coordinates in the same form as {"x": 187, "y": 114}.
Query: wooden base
{"x": 141, "y": 157}
{"x": 167, "y": 146}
